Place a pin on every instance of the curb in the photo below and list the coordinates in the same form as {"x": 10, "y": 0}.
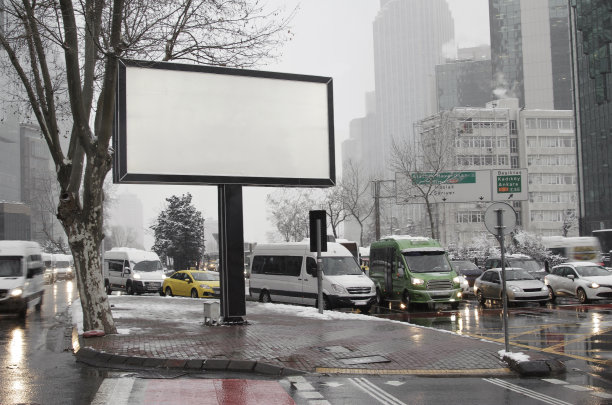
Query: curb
{"x": 536, "y": 368}
{"x": 94, "y": 358}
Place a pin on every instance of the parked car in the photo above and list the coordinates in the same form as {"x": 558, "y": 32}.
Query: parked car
{"x": 468, "y": 269}
{"x": 192, "y": 283}
{"x": 583, "y": 280}
{"x": 521, "y": 286}
{"x": 518, "y": 260}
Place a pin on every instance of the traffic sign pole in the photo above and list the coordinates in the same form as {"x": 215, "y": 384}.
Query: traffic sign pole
{"x": 502, "y": 246}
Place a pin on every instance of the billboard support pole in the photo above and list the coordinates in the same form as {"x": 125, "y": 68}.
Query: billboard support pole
{"x": 231, "y": 254}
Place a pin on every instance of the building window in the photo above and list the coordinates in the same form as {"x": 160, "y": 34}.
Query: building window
{"x": 514, "y": 162}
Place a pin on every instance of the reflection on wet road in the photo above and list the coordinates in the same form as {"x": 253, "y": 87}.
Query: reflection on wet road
{"x": 582, "y": 332}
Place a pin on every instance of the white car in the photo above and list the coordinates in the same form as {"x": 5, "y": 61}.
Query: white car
{"x": 583, "y": 280}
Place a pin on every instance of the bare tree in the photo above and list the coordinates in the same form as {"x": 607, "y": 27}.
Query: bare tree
{"x": 570, "y": 221}
{"x": 123, "y": 236}
{"x": 358, "y": 201}
{"x": 289, "y": 210}
{"x": 65, "y": 56}
{"x": 422, "y": 167}
{"x": 334, "y": 204}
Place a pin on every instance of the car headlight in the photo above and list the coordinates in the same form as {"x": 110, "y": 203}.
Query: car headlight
{"x": 544, "y": 288}
{"x": 16, "y": 292}
{"x": 418, "y": 281}
{"x": 593, "y": 285}
{"x": 136, "y": 276}
{"x": 515, "y": 289}
{"x": 339, "y": 289}
{"x": 458, "y": 280}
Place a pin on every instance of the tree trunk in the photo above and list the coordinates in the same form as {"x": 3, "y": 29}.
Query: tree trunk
{"x": 83, "y": 226}
{"x": 431, "y": 221}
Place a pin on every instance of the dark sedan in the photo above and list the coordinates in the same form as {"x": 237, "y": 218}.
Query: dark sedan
{"x": 467, "y": 269}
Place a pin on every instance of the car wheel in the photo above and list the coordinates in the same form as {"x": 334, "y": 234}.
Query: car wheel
{"x": 129, "y": 289}
{"x": 169, "y": 292}
{"x": 326, "y": 305}
{"x": 481, "y": 299}
{"x": 161, "y": 292}
{"x": 582, "y": 297}
{"x": 380, "y": 301}
{"x": 264, "y": 297}
{"x": 551, "y": 294}
{"x": 194, "y": 293}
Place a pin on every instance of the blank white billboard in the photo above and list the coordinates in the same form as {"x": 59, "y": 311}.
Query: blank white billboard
{"x": 189, "y": 124}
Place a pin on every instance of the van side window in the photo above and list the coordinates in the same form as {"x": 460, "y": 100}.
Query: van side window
{"x": 115, "y": 265}
{"x": 277, "y": 265}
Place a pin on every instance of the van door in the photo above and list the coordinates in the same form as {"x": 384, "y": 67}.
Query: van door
{"x": 310, "y": 284}
{"x": 115, "y": 272}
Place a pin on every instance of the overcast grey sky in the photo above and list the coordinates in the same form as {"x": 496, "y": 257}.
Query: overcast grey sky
{"x": 331, "y": 38}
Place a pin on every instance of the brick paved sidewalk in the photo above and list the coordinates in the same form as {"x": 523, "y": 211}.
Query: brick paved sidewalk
{"x": 171, "y": 333}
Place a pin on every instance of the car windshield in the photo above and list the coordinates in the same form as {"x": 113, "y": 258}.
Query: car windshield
{"x": 427, "y": 262}
{"x": 527, "y": 264}
{"x": 338, "y": 266}
{"x": 206, "y": 276}
{"x": 10, "y": 266}
{"x": 518, "y": 274}
{"x": 592, "y": 271}
{"x": 148, "y": 265}
{"x": 464, "y": 265}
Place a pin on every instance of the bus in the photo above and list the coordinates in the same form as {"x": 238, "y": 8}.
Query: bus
{"x": 574, "y": 249}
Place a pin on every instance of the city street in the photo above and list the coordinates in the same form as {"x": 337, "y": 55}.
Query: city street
{"x": 40, "y": 368}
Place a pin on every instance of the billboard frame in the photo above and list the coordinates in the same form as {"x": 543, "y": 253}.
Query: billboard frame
{"x": 122, "y": 174}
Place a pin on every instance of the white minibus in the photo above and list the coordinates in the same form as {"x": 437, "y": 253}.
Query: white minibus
{"x": 21, "y": 277}
{"x": 287, "y": 272}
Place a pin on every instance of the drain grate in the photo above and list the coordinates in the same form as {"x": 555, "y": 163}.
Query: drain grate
{"x": 365, "y": 360}
{"x": 334, "y": 349}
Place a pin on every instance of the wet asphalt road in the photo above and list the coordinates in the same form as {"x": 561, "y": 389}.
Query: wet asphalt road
{"x": 39, "y": 368}
{"x": 36, "y": 362}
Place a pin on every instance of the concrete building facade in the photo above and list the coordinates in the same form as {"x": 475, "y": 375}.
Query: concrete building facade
{"x": 504, "y": 136}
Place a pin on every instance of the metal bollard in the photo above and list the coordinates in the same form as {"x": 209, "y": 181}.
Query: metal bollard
{"x": 211, "y": 312}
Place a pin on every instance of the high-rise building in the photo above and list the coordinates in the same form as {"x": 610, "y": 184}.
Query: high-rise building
{"x": 530, "y": 52}
{"x": 591, "y": 23}
{"x": 463, "y": 83}
{"x": 410, "y": 39}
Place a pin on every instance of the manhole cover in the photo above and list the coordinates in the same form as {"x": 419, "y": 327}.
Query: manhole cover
{"x": 365, "y": 360}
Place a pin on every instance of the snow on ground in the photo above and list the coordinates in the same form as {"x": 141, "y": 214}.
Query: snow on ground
{"x": 518, "y": 357}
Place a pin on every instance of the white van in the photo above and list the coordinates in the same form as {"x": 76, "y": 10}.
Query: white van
{"x": 133, "y": 271}
{"x": 63, "y": 265}
{"x": 286, "y": 272}
{"x": 21, "y": 277}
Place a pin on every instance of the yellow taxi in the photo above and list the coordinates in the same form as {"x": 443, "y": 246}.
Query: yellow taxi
{"x": 192, "y": 283}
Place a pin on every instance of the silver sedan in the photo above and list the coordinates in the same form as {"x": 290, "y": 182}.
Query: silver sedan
{"x": 521, "y": 286}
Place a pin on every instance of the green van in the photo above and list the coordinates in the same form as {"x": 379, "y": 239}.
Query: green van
{"x": 413, "y": 269}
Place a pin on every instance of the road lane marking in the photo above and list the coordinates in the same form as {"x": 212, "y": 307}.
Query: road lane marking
{"x": 459, "y": 372}
{"x": 541, "y": 349}
{"x": 372, "y": 390}
{"x": 527, "y": 392}
{"x": 115, "y": 391}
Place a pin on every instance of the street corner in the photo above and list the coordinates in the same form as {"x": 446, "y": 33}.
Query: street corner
{"x": 535, "y": 368}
